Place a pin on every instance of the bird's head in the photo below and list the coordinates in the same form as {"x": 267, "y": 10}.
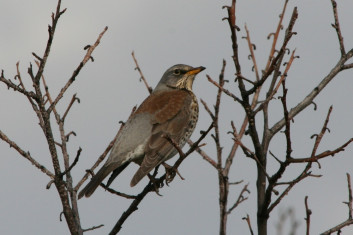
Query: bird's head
{"x": 179, "y": 76}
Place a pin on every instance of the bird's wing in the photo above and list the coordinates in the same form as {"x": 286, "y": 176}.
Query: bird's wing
{"x": 170, "y": 120}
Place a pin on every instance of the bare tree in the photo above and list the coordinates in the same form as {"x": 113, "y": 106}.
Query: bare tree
{"x": 270, "y": 81}
{"x": 274, "y": 77}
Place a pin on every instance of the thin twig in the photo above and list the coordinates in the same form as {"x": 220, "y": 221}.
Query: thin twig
{"x": 227, "y": 92}
{"x": 322, "y": 132}
{"x": 51, "y": 31}
{"x": 141, "y": 74}
{"x": 337, "y": 27}
{"x": 26, "y": 155}
{"x": 275, "y": 36}
{"x": 112, "y": 191}
{"x": 279, "y": 83}
{"x": 308, "y": 213}
{"x": 207, "y": 109}
{"x": 241, "y": 198}
{"x": 69, "y": 107}
{"x": 286, "y": 117}
{"x": 73, "y": 164}
{"x": 77, "y": 70}
{"x": 15, "y": 87}
{"x": 277, "y": 59}
{"x": 204, "y": 155}
{"x": 251, "y": 48}
{"x": 93, "y": 228}
{"x": 349, "y": 221}
{"x": 350, "y": 198}
{"x": 247, "y": 219}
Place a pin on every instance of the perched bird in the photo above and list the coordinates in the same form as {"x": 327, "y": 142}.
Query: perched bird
{"x": 170, "y": 110}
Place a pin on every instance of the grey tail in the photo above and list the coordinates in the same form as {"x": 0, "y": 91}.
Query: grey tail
{"x": 89, "y": 189}
{"x": 116, "y": 172}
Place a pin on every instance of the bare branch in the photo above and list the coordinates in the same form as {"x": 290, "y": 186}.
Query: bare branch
{"x": 26, "y": 155}
{"x": 274, "y": 63}
{"x": 308, "y": 213}
{"x": 241, "y": 198}
{"x": 347, "y": 66}
{"x": 207, "y": 109}
{"x": 77, "y": 70}
{"x": 251, "y": 48}
{"x": 233, "y": 29}
{"x": 133, "y": 207}
{"x": 275, "y": 36}
{"x": 141, "y": 74}
{"x": 51, "y": 32}
{"x": 310, "y": 97}
{"x": 15, "y": 87}
{"x": 322, "y": 155}
{"x": 322, "y": 133}
{"x": 204, "y": 155}
{"x": 93, "y": 228}
{"x": 112, "y": 191}
{"x": 227, "y": 92}
{"x": 247, "y": 219}
{"x": 69, "y": 107}
{"x": 73, "y": 164}
{"x": 349, "y": 221}
{"x": 279, "y": 83}
{"x": 350, "y": 198}
{"x": 337, "y": 27}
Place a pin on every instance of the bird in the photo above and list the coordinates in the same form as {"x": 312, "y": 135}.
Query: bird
{"x": 170, "y": 110}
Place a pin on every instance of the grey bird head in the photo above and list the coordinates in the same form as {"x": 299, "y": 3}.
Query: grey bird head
{"x": 179, "y": 76}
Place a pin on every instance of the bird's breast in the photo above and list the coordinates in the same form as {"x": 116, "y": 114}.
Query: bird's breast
{"x": 194, "y": 115}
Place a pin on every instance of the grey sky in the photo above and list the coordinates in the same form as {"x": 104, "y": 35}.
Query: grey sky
{"x": 163, "y": 33}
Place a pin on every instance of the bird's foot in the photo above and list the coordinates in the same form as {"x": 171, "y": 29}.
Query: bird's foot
{"x": 157, "y": 185}
{"x": 170, "y": 173}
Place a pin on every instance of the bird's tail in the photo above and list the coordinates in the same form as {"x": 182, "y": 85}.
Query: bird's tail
{"x": 89, "y": 189}
{"x": 140, "y": 173}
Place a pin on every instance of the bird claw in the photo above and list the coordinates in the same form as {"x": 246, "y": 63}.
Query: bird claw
{"x": 157, "y": 185}
{"x": 170, "y": 173}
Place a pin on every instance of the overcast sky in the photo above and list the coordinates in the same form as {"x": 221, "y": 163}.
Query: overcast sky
{"x": 163, "y": 33}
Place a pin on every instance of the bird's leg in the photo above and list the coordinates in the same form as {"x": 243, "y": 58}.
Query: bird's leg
{"x": 170, "y": 173}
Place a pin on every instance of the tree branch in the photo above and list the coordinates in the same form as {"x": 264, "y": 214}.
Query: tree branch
{"x": 77, "y": 70}
{"x": 349, "y": 221}
{"x": 337, "y": 27}
{"x": 26, "y": 155}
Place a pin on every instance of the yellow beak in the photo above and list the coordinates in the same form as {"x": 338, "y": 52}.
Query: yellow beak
{"x": 195, "y": 70}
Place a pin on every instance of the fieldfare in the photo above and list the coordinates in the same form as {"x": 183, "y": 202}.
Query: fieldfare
{"x": 170, "y": 110}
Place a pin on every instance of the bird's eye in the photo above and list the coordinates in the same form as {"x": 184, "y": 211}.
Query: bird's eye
{"x": 177, "y": 72}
